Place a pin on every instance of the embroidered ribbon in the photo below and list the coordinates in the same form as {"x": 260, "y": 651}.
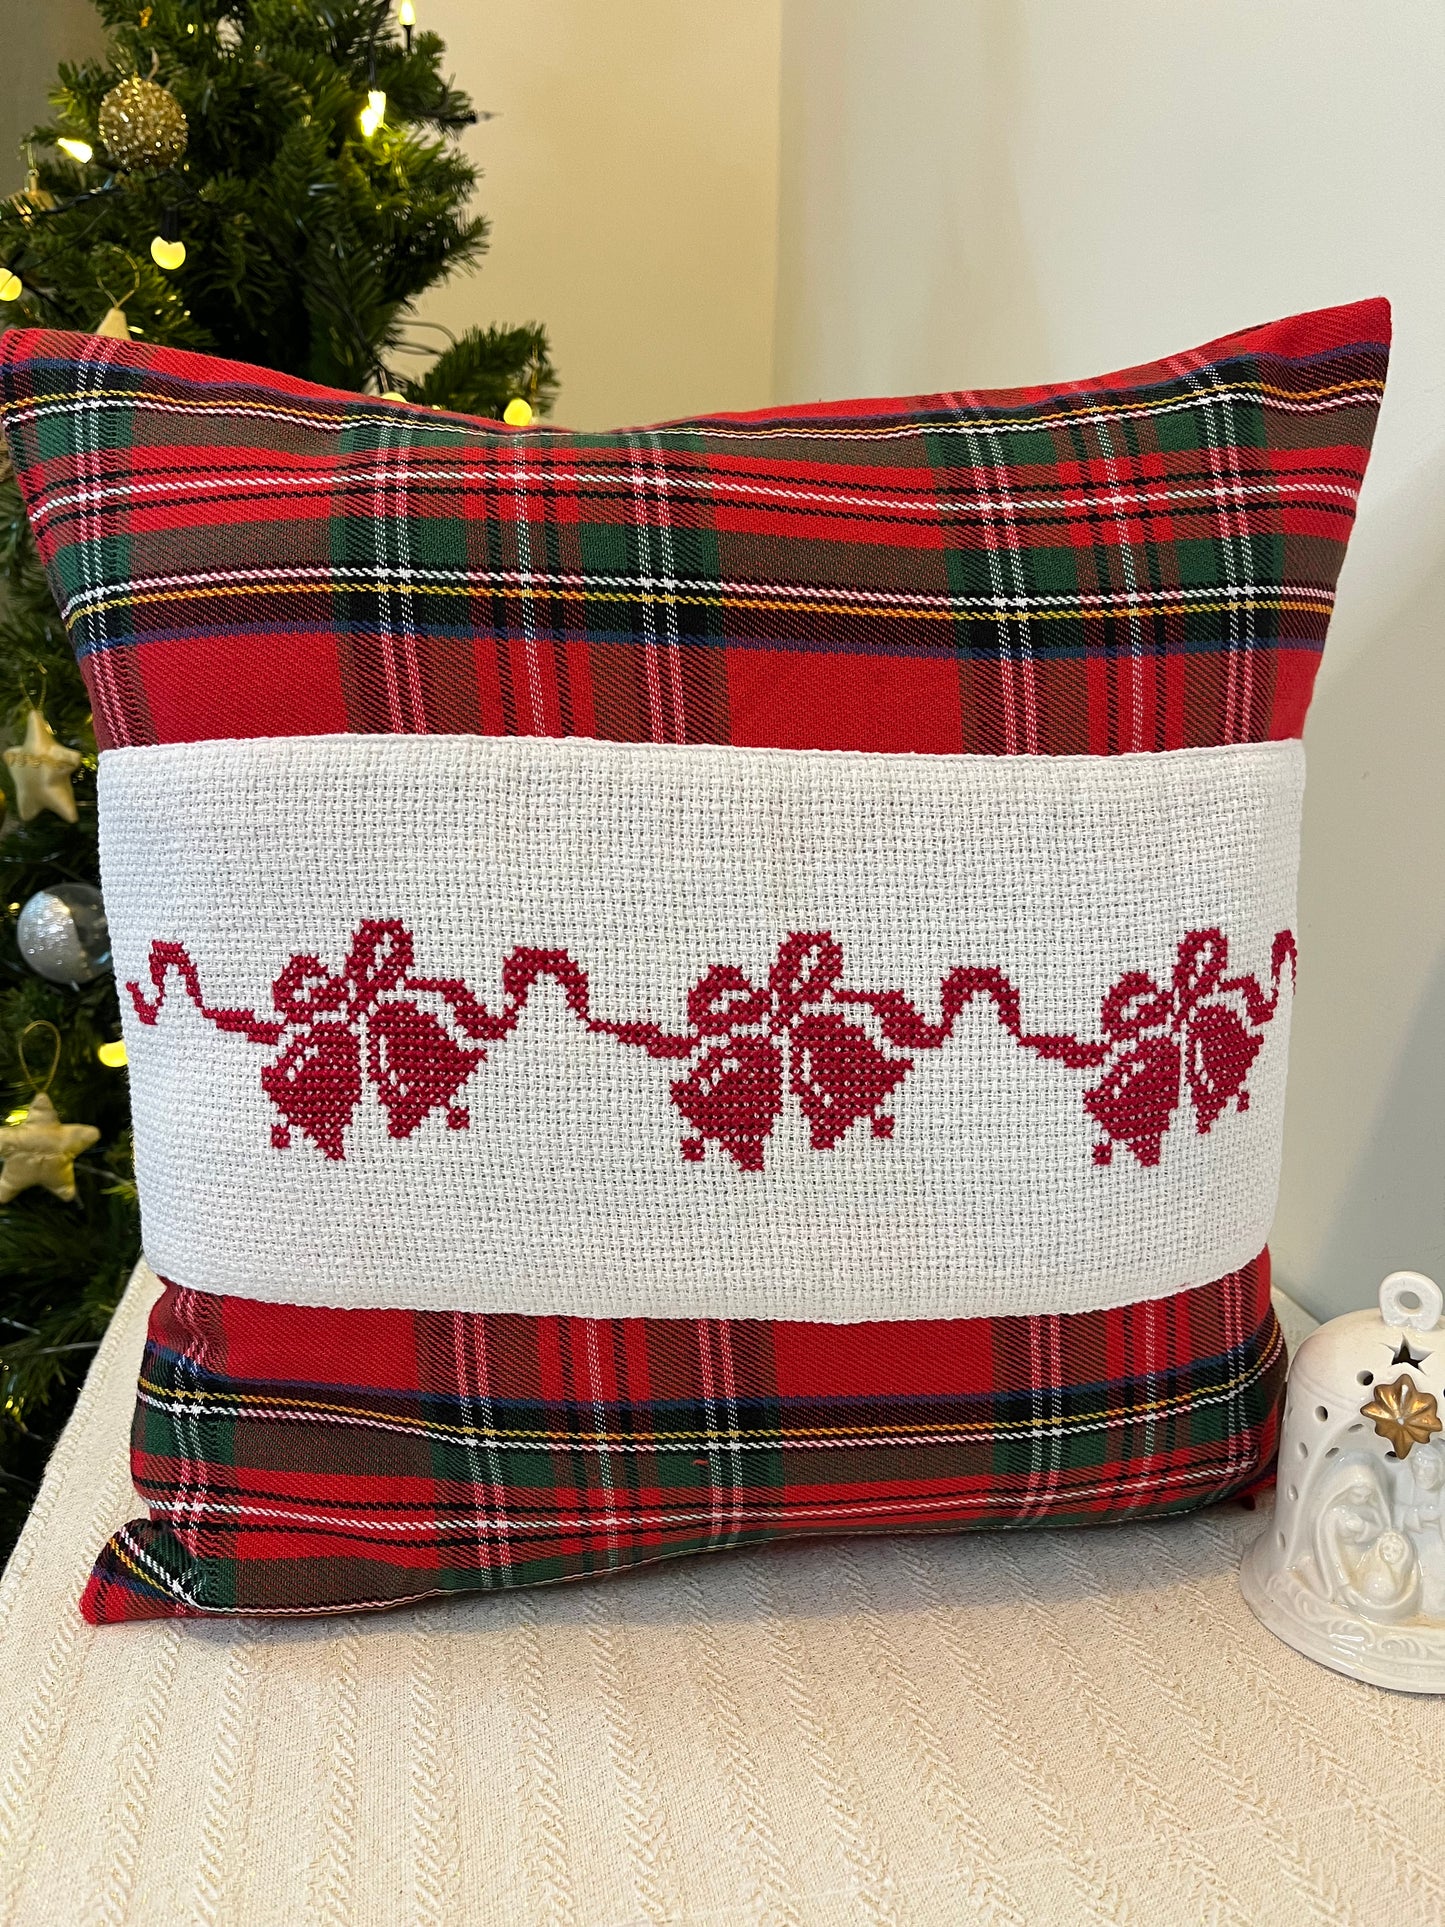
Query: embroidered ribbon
{"x": 748, "y": 1047}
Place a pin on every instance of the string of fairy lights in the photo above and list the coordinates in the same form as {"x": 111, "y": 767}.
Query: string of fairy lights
{"x": 141, "y": 130}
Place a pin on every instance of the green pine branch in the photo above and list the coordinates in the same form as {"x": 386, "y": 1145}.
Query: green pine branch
{"x": 484, "y": 369}
{"x": 307, "y": 247}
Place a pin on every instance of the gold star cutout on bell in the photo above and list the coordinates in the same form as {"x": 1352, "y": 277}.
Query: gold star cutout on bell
{"x": 1403, "y": 1414}
{"x": 42, "y": 1150}
{"x": 41, "y": 769}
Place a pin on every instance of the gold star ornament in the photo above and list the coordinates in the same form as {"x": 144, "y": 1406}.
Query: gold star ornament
{"x": 42, "y": 1150}
{"x": 41, "y": 769}
{"x": 1403, "y": 1414}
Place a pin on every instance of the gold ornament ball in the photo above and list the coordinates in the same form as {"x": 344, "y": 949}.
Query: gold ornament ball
{"x": 142, "y": 126}
{"x": 517, "y": 413}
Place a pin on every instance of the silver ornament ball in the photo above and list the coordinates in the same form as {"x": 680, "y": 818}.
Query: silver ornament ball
{"x": 62, "y": 934}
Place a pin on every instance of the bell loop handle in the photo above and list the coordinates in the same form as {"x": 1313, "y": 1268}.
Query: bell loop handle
{"x": 1410, "y": 1301}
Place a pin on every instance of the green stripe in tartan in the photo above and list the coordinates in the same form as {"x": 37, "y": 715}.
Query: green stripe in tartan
{"x": 1166, "y": 514}
{"x": 277, "y": 1497}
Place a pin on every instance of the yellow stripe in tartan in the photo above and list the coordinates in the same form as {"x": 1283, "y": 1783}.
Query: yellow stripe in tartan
{"x": 122, "y": 1557}
{"x": 707, "y": 1436}
{"x": 1124, "y": 607}
{"x": 1085, "y": 409}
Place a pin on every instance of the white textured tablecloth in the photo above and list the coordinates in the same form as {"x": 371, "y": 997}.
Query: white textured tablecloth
{"x": 1034, "y": 1727}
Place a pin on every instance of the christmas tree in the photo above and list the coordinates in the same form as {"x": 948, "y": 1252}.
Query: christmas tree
{"x": 271, "y": 180}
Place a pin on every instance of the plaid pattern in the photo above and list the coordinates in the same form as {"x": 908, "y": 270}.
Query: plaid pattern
{"x": 1147, "y": 561}
{"x": 494, "y": 1451}
{"x": 1143, "y": 562}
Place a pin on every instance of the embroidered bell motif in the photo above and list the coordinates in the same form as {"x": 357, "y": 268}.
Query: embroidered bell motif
{"x": 802, "y": 1033}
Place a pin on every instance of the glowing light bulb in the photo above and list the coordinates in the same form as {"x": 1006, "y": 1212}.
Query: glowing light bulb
{"x": 19, "y": 1115}
{"x": 517, "y": 412}
{"x": 168, "y": 254}
{"x": 11, "y": 287}
{"x": 373, "y": 113}
{"x": 78, "y": 150}
{"x": 112, "y": 1055}
{"x": 406, "y": 14}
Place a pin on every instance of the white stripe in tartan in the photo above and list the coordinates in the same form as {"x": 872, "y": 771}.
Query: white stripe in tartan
{"x": 716, "y": 1437}
{"x": 437, "y": 426}
{"x": 881, "y": 1512}
{"x": 1165, "y": 495}
{"x": 1010, "y": 589}
{"x": 521, "y": 527}
{"x": 1007, "y": 608}
{"x": 477, "y": 1435}
{"x": 1233, "y": 536}
{"x": 659, "y": 726}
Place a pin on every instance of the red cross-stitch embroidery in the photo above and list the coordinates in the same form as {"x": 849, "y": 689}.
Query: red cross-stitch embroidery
{"x": 840, "y": 1052}
{"x": 1204, "y": 1030}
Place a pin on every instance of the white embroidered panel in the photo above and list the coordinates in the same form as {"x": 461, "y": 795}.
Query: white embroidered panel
{"x": 784, "y": 1034}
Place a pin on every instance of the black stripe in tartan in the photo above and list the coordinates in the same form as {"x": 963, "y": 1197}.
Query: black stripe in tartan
{"x": 1240, "y": 411}
{"x": 185, "y": 1414}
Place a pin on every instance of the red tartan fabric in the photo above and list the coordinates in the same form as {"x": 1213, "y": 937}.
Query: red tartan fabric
{"x": 1142, "y": 562}
{"x": 1145, "y": 561}
{"x": 299, "y": 1460}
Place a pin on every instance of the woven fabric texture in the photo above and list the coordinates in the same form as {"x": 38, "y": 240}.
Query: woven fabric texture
{"x": 443, "y": 1453}
{"x": 1046, "y": 1729}
{"x": 722, "y": 1033}
{"x": 1140, "y": 567}
{"x": 1143, "y": 561}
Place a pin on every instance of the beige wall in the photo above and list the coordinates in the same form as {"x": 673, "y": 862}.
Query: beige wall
{"x": 978, "y": 191}
{"x": 630, "y": 177}
{"x": 631, "y": 180}
{"x": 37, "y": 35}
{"x": 991, "y": 191}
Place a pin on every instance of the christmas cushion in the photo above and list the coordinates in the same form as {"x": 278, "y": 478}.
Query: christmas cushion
{"x": 698, "y": 984}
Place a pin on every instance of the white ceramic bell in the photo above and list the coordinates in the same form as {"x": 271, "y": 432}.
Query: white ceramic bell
{"x": 1351, "y": 1570}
